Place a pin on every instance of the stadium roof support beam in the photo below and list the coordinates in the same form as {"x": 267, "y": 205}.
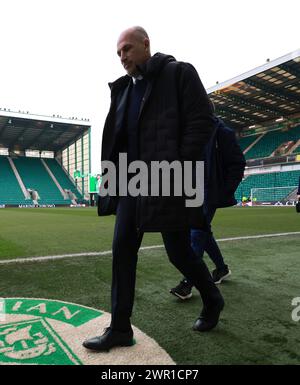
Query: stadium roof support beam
{"x": 18, "y": 136}
{"x": 263, "y": 107}
{"x": 283, "y": 95}
{"x": 61, "y": 132}
{"x": 2, "y": 130}
{"x": 290, "y": 69}
{"x": 236, "y": 114}
{"x": 250, "y": 74}
{"x": 29, "y": 144}
{"x": 38, "y": 133}
{"x": 252, "y": 106}
{"x": 74, "y": 140}
{"x": 230, "y": 113}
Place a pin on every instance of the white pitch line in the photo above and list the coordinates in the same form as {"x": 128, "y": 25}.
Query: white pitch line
{"x": 258, "y": 236}
{"x": 108, "y": 252}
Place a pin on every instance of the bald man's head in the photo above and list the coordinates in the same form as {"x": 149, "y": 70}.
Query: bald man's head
{"x": 133, "y": 48}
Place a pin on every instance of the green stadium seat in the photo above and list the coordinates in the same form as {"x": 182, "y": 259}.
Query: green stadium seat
{"x": 62, "y": 177}
{"x": 297, "y": 150}
{"x": 36, "y": 177}
{"x": 270, "y": 180}
{"x": 245, "y": 141}
{"x": 10, "y": 190}
{"x": 270, "y": 141}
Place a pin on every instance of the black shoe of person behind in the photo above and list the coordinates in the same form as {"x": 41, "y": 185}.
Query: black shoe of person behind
{"x": 220, "y": 275}
{"x": 109, "y": 339}
{"x": 183, "y": 290}
{"x": 209, "y": 317}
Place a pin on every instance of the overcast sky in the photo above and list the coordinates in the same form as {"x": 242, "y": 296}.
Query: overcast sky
{"x": 57, "y": 56}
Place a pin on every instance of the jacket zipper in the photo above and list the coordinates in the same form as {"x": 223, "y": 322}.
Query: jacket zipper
{"x": 143, "y": 102}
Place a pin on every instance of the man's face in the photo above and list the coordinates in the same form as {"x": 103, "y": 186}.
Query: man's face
{"x": 132, "y": 50}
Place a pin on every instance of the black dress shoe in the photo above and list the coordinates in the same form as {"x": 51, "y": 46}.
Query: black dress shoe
{"x": 109, "y": 339}
{"x": 209, "y": 317}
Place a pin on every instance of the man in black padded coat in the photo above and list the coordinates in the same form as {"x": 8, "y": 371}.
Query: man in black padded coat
{"x": 159, "y": 112}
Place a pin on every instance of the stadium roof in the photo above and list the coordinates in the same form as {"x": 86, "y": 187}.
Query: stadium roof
{"x": 21, "y": 131}
{"x": 263, "y": 95}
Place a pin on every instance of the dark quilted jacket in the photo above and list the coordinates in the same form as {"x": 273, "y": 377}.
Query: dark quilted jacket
{"x": 175, "y": 123}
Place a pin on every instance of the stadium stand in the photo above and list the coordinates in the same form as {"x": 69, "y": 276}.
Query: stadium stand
{"x": 277, "y": 185}
{"x": 271, "y": 141}
{"x": 246, "y": 141}
{"x": 297, "y": 150}
{"x": 10, "y": 190}
{"x": 35, "y": 177}
{"x": 35, "y": 152}
{"x": 263, "y": 106}
{"x": 62, "y": 177}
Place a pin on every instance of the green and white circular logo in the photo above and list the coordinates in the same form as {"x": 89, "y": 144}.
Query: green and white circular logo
{"x": 49, "y": 332}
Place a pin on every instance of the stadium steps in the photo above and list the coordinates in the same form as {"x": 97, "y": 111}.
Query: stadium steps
{"x": 283, "y": 148}
{"x": 295, "y": 149}
{"x": 257, "y": 139}
{"x": 52, "y": 176}
{"x": 246, "y": 141}
{"x": 36, "y": 177}
{"x": 293, "y": 195}
{"x": 10, "y": 190}
{"x": 272, "y": 140}
{"x": 287, "y": 179}
{"x": 19, "y": 179}
{"x": 62, "y": 177}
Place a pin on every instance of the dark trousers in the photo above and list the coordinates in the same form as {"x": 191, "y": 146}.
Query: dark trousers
{"x": 203, "y": 240}
{"x": 126, "y": 244}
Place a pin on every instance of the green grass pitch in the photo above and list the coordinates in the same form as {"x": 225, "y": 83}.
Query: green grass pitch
{"x": 256, "y": 326}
